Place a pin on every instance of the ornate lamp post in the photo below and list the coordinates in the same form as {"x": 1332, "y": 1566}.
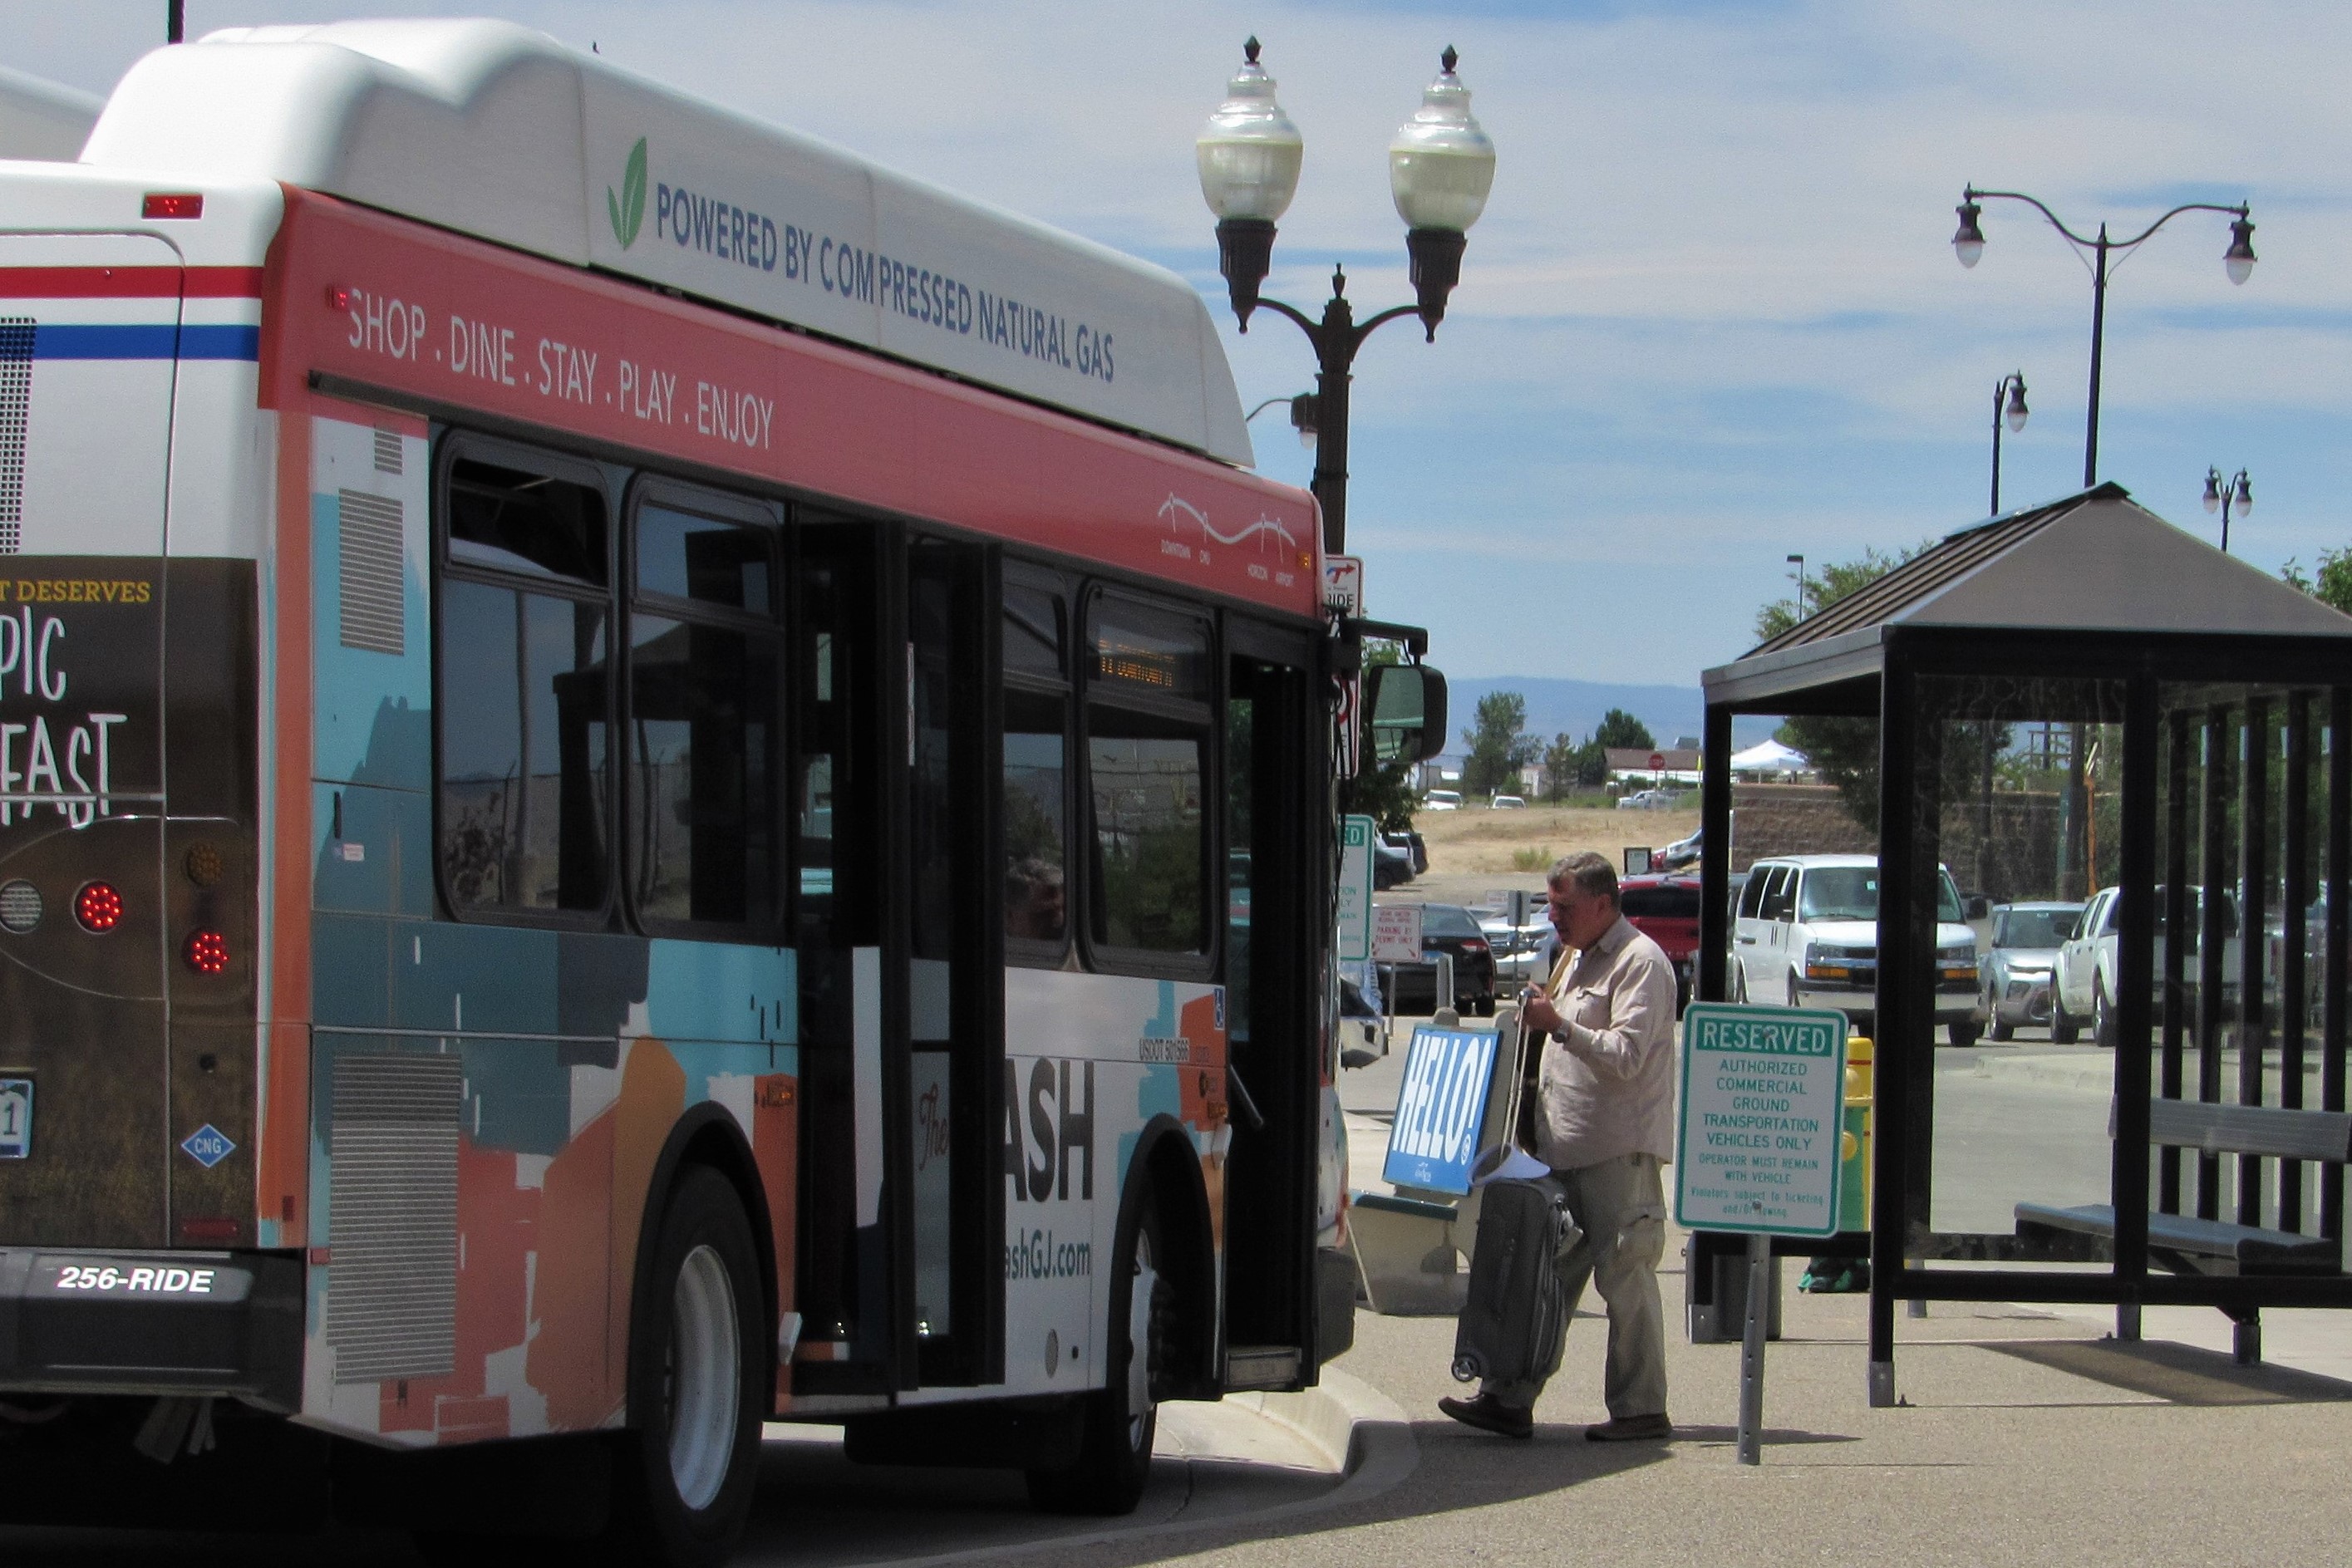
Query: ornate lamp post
{"x": 1441, "y": 166}
{"x": 2012, "y": 387}
{"x": 1969, "y": 243}
{"x": 2222, "y": 494}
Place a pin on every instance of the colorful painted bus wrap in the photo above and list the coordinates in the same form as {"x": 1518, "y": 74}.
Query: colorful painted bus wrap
{"x": 574, "y": 860}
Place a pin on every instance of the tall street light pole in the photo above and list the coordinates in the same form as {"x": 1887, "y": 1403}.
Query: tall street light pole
{"x": 1441, "y": 166}
{"x": 1799, "y": 562}
{"x": 2222, "y": 494}
{"x": 1969, "y": 243}
{"x": 2010, "y": 387}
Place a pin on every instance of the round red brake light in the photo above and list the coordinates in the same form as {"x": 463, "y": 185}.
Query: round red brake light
{"x": 98, "y": 908}
{"x": 207, "y": 952}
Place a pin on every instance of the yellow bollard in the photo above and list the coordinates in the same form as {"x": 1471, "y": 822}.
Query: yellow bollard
{"x": 1854, "y": 1145}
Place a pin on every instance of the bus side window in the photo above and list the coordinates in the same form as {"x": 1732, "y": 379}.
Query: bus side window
{"x": 704, "y": 722}
{"x": 524, "y": 791}
{"x": 1036, "y": 773}
{"x": 1147, "y": 718}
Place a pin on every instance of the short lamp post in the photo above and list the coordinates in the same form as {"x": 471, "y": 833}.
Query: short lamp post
{"x": 2223, "y": 495}
{"x": 1968, "y": 244}
{"x": 1441, "y": 166}
{"x": 2010, "y": 387}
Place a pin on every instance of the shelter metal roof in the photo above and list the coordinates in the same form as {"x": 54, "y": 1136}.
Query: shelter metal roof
{"x": 2095, "y": 561}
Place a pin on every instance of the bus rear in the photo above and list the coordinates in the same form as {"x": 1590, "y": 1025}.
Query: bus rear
{"x": 129, "y": 867}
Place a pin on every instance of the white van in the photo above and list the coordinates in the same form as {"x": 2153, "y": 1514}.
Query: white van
{"x": 1806, "y": 934}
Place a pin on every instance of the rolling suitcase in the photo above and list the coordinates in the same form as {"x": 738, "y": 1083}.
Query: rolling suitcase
{"x": 1516, "y": 1317}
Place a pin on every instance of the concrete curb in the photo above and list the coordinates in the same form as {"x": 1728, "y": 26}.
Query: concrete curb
{"x": 2095, "y": 1072}
{"x": 1361, "y": 1431}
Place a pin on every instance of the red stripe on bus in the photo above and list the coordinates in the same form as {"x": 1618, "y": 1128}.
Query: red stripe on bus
{"x": 129, "y": 283}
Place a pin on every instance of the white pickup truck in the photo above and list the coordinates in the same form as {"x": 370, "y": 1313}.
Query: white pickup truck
{"x": 2083, "y": 988}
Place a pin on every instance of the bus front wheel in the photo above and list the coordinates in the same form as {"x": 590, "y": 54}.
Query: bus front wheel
{"x": 696, "y": 1371}
{"x": 1119, "y": 1420}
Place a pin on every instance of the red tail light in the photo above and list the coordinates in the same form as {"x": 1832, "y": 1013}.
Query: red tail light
{"x": 173, "y": 204}
{"x": 1474, "y": 946}
{"x": 98, "y": 907}
{"x": 207, "y": 952}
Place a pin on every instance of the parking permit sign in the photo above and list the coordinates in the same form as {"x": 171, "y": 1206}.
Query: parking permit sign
{"x": 1396, "y": 933}
{"x": 1441, "y": 1109}
{"x": 1762, "y": 1113}
{"x": 1355, "y": 889}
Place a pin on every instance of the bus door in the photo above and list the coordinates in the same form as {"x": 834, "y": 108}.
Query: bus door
{"x": 90, "y": 330}
{"x": 901, "y": 964}
{"x": 850, "y": 1020}
{"x": 1276, "y": 844}
{"x": 956, "y": 966}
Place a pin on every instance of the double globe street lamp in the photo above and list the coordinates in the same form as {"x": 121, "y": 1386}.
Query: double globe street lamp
{"x": 2221, "y": 495}
{"x": 1968, "y": 244}
{"x": 1441, "y": 166}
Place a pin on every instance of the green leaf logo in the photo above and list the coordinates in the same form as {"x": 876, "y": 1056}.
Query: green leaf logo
{"x": 627, "y": 209}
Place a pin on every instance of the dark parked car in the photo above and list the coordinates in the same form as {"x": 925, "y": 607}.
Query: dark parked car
{"x": 1448, "y": 928}
{"x": 1392, "y": 863}
{"x": 1664, "y": 906}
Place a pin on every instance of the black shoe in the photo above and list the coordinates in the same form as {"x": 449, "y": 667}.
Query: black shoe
{"x": 1632, "y": 1429}
{"x": 1489, "y": 1413}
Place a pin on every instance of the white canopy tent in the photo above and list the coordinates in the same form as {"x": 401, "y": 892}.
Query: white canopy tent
{"x": 1768, "y": 756}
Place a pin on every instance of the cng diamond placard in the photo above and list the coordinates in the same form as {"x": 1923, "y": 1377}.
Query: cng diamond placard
{"x": 1762, "y": 1111}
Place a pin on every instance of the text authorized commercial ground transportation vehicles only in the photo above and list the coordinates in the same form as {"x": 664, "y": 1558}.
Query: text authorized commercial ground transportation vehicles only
{"x": 592, "y": 848}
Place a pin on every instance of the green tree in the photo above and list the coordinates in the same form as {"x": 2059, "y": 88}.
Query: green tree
{"x": 1620, "y": 730}
{"x": 1592, "y": 764}
{"x": 1844, "y": 749}
{"x": 1498, "y": 745}
{"x": 1559, "y": 762}
{"x": 1381, "y": 791}
{"x": 2333, "y": 587}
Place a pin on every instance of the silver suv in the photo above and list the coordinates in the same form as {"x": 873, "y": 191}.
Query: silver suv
{"x": 1806, "y": 934}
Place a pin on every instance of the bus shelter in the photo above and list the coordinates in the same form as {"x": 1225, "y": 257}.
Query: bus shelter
{"x": 2080, "y": 704}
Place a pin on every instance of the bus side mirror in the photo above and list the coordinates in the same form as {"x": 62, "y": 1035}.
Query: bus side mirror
{"x": 1407, "y": 706}
{"x": 1980, "y": 907}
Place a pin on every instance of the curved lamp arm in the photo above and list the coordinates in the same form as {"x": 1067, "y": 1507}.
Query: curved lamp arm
{"x": 1971, "y": 193}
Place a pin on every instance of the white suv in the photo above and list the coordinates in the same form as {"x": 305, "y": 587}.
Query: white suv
{"x": 1806, "y": 934}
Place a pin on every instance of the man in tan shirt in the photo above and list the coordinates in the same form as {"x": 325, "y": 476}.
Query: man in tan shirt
{"x": 1604, "y": 1122}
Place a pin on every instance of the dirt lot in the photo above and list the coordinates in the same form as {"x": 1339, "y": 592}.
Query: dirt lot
{"x": 1472, "y": 851}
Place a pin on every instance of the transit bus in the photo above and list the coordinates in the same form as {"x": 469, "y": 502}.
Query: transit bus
{"x": 651, "y": 779}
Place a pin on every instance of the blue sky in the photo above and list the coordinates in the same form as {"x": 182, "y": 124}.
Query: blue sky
{"x": 1711, "y": 316}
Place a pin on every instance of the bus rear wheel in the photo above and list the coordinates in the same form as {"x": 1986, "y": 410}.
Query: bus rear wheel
{"x": 1119, "y": 1420}
{"x": 697, "y": 1371}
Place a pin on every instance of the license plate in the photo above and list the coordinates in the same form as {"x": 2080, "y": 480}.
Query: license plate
{"x": 15, "y": 1118}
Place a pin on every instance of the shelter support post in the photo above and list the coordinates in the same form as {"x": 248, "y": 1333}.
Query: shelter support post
{"x": 1896, "y": 1063}
{"x": 2254, "y": 878}
{"x": 2212, "y": 935}
{"x": 2294, "y": 980}
{"x": 2134, "y": 980}
{"x": 1715, "y": 857}
{"x": 2339, "y": 1001}
{"x": 2178, "y": 742}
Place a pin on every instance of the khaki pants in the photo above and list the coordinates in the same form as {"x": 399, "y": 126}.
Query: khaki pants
{"x": 1621, "y": 1207}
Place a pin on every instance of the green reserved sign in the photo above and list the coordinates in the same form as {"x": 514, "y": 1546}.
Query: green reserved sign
{"x": 1762, "y": 1114}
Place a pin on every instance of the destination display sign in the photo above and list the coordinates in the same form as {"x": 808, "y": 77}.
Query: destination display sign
{"x": 1763, "y": 1096}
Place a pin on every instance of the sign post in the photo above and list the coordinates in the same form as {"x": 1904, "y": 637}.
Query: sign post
{"x": 1763, "y": 1106}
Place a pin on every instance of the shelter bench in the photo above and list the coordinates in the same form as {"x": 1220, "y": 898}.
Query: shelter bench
{"x": 2185, "y": 1244}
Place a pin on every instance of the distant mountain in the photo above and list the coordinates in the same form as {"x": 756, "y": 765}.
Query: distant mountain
{"x": 1576, "y": 707}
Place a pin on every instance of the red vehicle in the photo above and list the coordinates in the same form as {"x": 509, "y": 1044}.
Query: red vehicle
{"x": 1664, "y": 906}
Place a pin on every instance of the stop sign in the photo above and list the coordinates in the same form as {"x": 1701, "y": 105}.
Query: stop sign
{"x": 1657, "y": 762}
